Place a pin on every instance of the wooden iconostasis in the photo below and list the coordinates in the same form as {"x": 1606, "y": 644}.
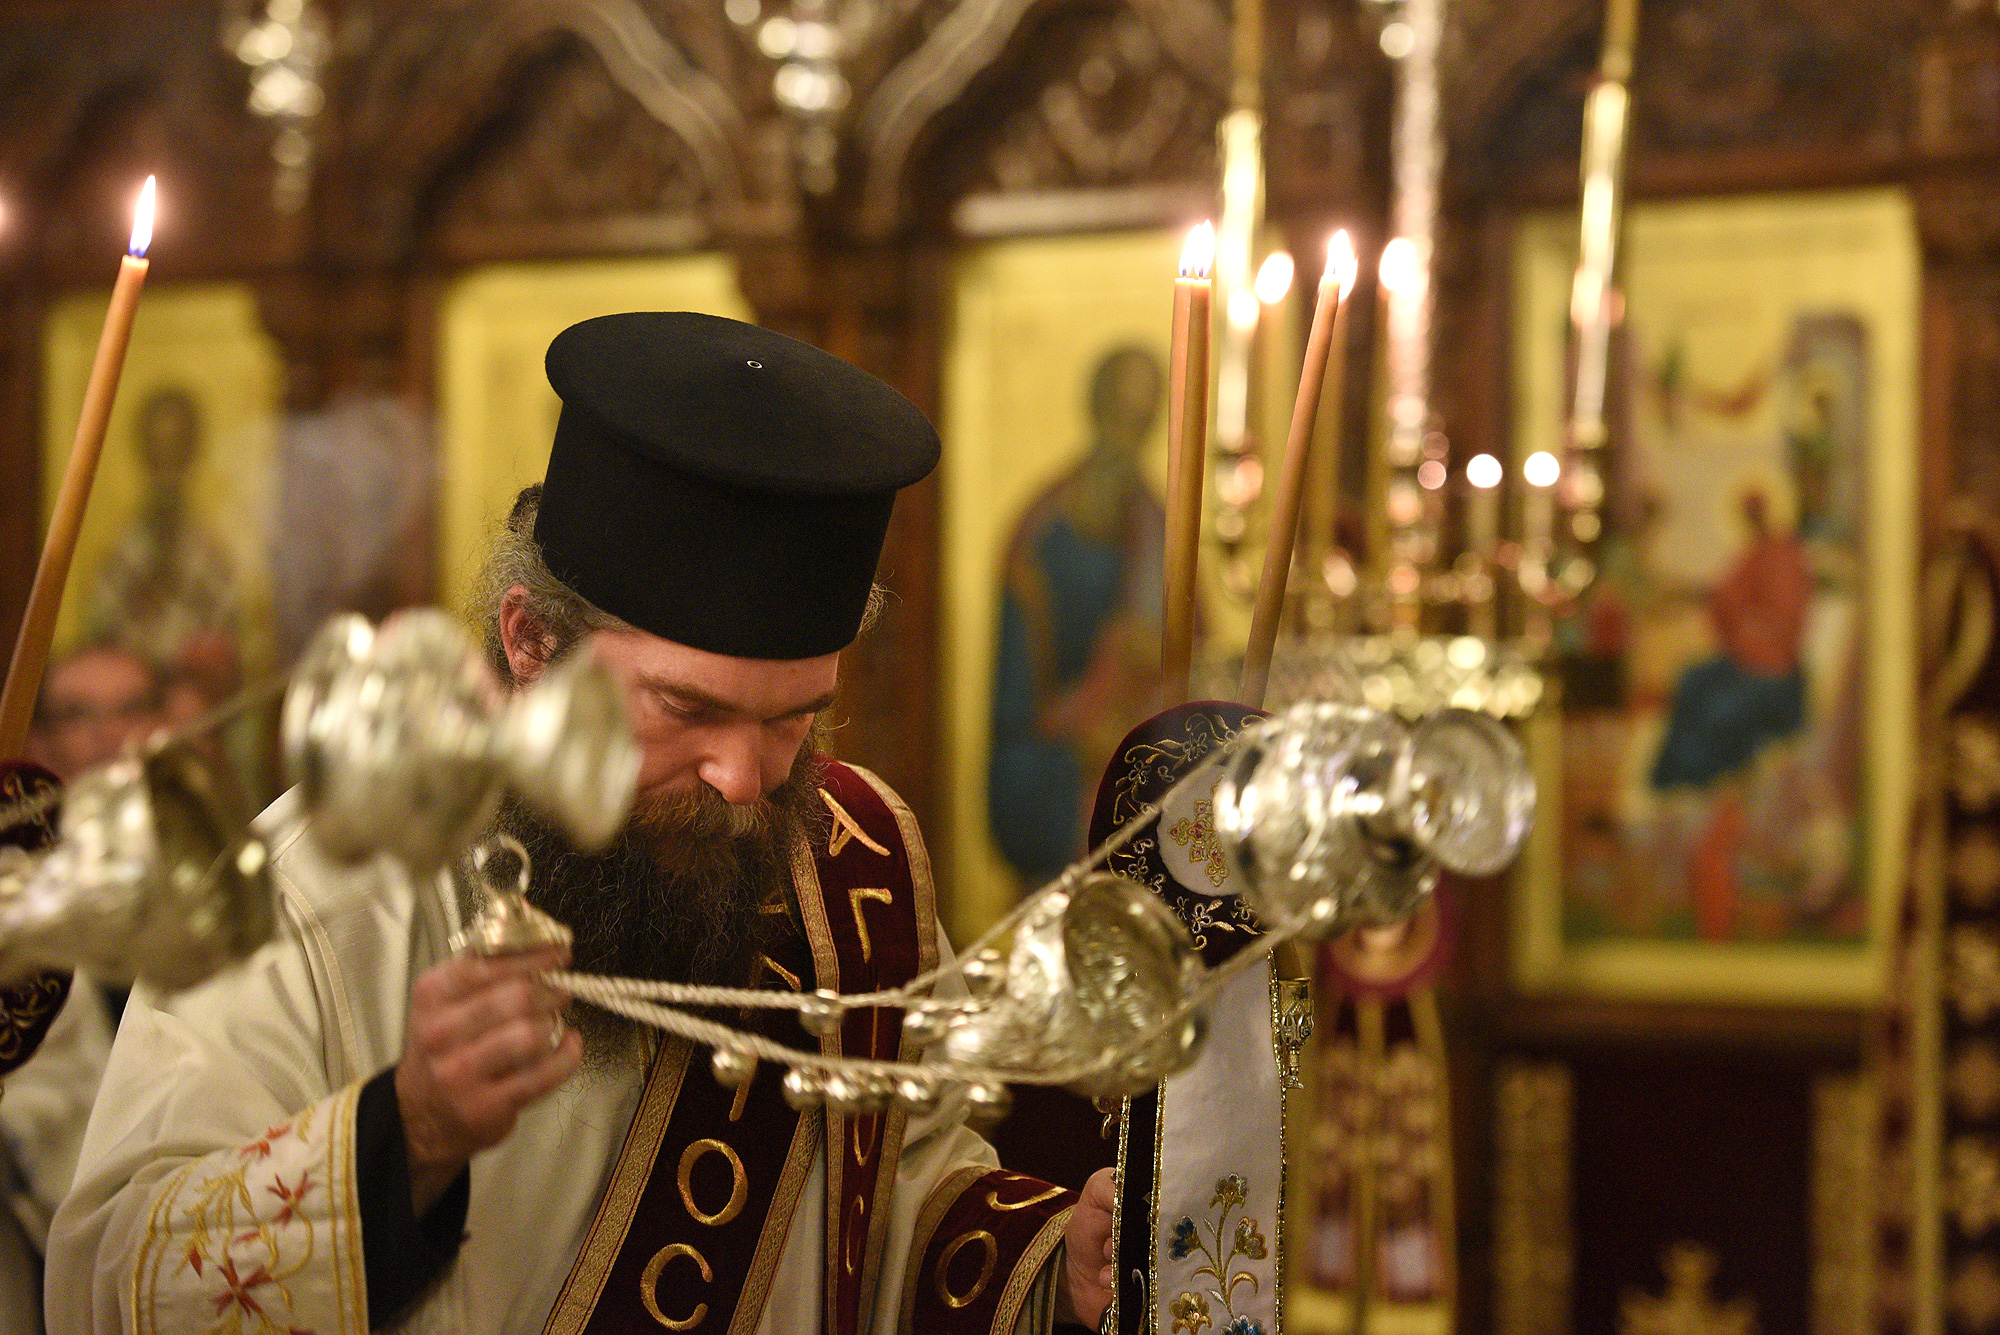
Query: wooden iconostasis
{"x": 336, "y": 380}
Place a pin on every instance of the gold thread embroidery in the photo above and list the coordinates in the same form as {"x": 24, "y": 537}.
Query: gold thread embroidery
{"x": 854, "y": 898}
{"x": 739, "y": 1182}
{"x": 854, "y": 1126}
{"x": 791, "y": 979}
{"x": 846, "y": 828}
{"x": 992, "y": 1248}
{"x": 650, "y": 1280}
{"x": 856, "y": 1208}
{"x": 993, "y": 1200}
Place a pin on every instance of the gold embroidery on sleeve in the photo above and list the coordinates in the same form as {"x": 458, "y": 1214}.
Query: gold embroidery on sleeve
{"x": 993, "y": 1200}
{"x": 992, "y": 1250}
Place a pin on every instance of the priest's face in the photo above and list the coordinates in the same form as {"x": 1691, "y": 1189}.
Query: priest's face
{"x": 708, "y": 721}
{"x": 686, "y": 892}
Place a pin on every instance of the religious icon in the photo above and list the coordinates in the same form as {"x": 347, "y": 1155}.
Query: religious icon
{"x": 1077, "y": 663}
{"x": 168, "y": 589}
{"x": 1718, "y": 798}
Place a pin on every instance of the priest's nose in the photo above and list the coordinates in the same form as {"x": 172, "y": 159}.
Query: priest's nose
{"x": 734, "y": 768}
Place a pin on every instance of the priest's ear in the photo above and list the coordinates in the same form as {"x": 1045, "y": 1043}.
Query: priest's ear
{"x": 529, "y": 644}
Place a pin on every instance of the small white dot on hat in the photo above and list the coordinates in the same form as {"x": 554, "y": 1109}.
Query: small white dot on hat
{"x": 758, "y": 365}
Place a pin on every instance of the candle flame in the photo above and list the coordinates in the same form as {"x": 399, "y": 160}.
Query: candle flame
{"x": 1274, "y": 277}
{"x": 1342, "y": 264}
{"x": 1483, "y": 471}
{"x": 1198, "y": 255}
{"x": 142, "y": 221}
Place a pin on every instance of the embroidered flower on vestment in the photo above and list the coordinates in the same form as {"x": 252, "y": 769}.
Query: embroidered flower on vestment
{"x": 1229, "y": 1191}
{"x": 1249, "y": 1240}
{"x": 1243, "y": 1325}
{"x": 1184, "y": 1240}
{"x": 1190, "y": 1313}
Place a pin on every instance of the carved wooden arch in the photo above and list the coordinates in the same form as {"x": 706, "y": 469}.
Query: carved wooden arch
{"x": 978, "y": 45}
{"x": 442, "y": 75}
{"x": 79, "y": 81}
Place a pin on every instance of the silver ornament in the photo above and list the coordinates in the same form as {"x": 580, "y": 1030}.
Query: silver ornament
{"x": 821, "y": 1014}
{"x": 918, "y": 1094}
{"x": 804, "y": 1089}
{"x": 987, "y": 1102}
{"x": 732, "y": 1068}
{"x": 151, "y": 877}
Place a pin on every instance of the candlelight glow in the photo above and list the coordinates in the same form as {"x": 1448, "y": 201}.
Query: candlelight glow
{"x": 1541, "y": 469}
{"x": 1274, "y": 279}
{"x": 142, "y": 221}
{"x": 1483, "y": 471}
{"x": 1342, "y": 264}
{"x": 1400, "y": 273}
{"x": 1198, "y": 255}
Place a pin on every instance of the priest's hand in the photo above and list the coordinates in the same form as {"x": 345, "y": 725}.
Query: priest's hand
{"x": 1090, "y": 1255}
{"x": 485, "y": 1040}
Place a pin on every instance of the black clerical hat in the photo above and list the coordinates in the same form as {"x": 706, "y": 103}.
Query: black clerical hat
{"x": 720, "y": 485}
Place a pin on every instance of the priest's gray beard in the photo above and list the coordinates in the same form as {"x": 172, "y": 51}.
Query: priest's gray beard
{"x": 676, "y": 897}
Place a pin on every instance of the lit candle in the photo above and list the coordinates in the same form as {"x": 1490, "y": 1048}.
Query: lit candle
{"x": 1323, "y": 464}
{"x": 1334, "y": 286}
{"x": 31, "y": 647}
{"x": 1187, "y": 458}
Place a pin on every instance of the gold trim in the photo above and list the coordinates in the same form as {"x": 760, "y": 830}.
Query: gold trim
{"x": 346, "y": 1231}
{"x": 848, "y": 1235}
{"x": 846, "y": 828}
{"x": 936, "y": 1206}
{"x": 1424, "y": 1018}
{"x": 1287, "y": 994}
{"x": 1845, "y": 1112}
{"x": 777, "y": 1226}
{"x": 923, "y": 893}
{"x": 826, "y": 972}
{"x": 574, "y": 1305}
{"x": 649, "y": 1280}
{"x": 955, "y": 1301}
{"x": 739, "y": 1182}
{"x": 1532, "y": 1243}
{"x": 1007, "y": 1314}
{"x": 1118, "y": 1207}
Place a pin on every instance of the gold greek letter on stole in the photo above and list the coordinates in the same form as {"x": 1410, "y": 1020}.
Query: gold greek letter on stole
{"x": 650, "y": 1280}
{"x": 994, "y": 1202}
{"x": 846, "y": 828}
{"x": 739, "y": 1182}
{"x": 854, "y": 898}
{"x": 992, "y": 1249}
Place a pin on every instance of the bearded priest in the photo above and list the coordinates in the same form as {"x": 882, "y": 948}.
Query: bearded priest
{"x": 360, "y": 1130}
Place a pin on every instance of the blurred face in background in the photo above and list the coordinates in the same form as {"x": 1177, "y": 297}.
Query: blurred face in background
{"x": 92, "y": 705}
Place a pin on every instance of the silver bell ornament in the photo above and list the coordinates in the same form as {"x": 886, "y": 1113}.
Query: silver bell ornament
{"x": 1094, "y": 968}
{"x": 1340, "y": 816}
{"x": 400, "y": 741}
{"x": 152, "y": 878}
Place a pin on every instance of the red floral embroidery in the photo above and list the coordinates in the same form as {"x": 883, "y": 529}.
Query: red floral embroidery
{"x": 194, "y": 1256}
{"x": 239, "y": 1288}
{"x": 293, "y": 1196}
{"x": 261, "y": 1148}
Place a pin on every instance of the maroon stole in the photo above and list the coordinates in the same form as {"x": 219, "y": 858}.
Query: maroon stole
{"x": 702, "y": 1198}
